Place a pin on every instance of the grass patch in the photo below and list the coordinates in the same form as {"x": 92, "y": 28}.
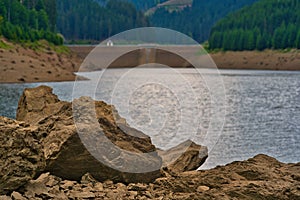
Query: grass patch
{"x": 43, "y": 45}
{"x": 4, "y": 45}
{"x": 31, "y": 45}
{"x": 62, "y": 50}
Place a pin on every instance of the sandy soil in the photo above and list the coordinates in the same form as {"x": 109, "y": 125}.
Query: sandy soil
{"x": 20, "y": 64}
{"x": 268, "y": 60}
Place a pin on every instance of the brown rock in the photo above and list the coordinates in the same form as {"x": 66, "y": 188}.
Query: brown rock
{"x": 202, "y": 188}
{"x": 36, "y": 104}
{"x": 3, "y": 197}
{"x": 88, "y": 178}
{"x": 186, "y": 156}
{"x": 67, "y": 185}
{"x": 17, "y": 196}
{"x": 21, "y": 157}
{"x": 114, "y": 150}
{"x": 98, "y": 187}
{"x": 80, "y": 195}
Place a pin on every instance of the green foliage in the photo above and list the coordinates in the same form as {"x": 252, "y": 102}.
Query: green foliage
{"x": 196, "y": 21}
{"x": 28, "y": 21}
{"x": 43, "y": 45}
{"x": 266, "y": 24}
{"x": 88, "y": 20}
{"x": 4, "y": 45}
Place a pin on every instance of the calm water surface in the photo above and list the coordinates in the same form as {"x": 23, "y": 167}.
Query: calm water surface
{"x": 257, "y": 112}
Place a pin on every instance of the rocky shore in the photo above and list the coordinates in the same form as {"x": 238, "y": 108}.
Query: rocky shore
{"x": 45, "y": 155}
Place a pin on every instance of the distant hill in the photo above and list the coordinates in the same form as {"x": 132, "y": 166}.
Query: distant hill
{"x": 142, "y": 5}
{"x": 170, "y": 5}
{"x": 266, "y": 24}
{"x": 195, "y": 18}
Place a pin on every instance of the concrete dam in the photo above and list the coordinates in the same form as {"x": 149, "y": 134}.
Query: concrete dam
{"x": 99, "y": 57}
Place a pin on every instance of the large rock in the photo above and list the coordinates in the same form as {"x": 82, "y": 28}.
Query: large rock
{"x": 101, "y": 143}
{"x": 37, "y": 103}
{"x": 21, "y": 157}
{"x": 90, "y": 136}
{"x": 187, "y": 156}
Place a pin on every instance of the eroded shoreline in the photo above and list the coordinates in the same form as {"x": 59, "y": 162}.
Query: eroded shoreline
{"x": 24, "y": 65}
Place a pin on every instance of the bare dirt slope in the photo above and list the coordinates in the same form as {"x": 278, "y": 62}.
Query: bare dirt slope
{"x": 265, "y": 60}
{"x": 36, "y": 64}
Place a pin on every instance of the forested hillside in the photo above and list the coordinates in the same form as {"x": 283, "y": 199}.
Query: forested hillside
{"x": 88, "y": 20}
{"x": 144, "y": 5}
{"x": 266, "y": 24}
{"x": 197, "y": 21}
{"x": 29, "y": 20}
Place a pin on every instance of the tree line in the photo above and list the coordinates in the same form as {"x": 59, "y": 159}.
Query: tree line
{"x": 264, "y": 25}
{"x": 29, "y": 20}
{"x": 88, "y": 20}
{"x": 197, "y": 20}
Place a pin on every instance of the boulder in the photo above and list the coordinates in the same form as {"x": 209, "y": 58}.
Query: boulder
{"x": 100, "y": 142}
{"x": 186, "y": 156}
{"x": 21, "y": 157}
{"x": 37, "y": 103}
{"x": 87, "y": 136}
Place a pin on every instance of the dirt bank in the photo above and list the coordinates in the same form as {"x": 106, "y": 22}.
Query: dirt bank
{"x": 21, "y": 63}
{"x": 265, "y": 60}
{"x": 36, "y": 63}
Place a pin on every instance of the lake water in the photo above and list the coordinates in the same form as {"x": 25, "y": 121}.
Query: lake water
{"x": 251, "y": 112}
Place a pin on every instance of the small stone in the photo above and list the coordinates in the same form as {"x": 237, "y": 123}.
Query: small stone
{"x": 88, "y": 178}
{"x": 17, "y": 196}
{"x": 43, "y": 178}
{"x": 133, "y": 193}
{"x": 3, "y": 197}
{"x": 112, "y": 195}
{"x": 121, "y": 186}
{"x": 202, "y": 188}
{"x": 77, "y": 194}
{"x": 35, "y": 188}
{"x": 53, "y": 180}
{"x": 67, "y": 185}
{"x": 148, "y": 194}
{"x": 108, "y": 183}
{"x": 137, "y": 187}
{"x": 98, "y": 187}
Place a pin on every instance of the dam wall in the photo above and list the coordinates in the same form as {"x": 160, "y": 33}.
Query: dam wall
{"x": 132, "y": 56}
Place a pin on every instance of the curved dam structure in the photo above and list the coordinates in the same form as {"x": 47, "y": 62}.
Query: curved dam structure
{"x": 131, "y": 56}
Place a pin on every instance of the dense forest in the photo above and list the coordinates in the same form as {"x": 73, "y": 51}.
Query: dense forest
{"x": 88, "y": 20}
{"x": 85, "y": 20}
{"x": 197, "y": 21}
{"x": 260, "y": 25}
{"x": 29, "y": 20}
{"x": 266, "y": 24}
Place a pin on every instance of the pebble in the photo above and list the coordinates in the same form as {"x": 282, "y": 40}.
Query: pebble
{"x": 202, "y": 188}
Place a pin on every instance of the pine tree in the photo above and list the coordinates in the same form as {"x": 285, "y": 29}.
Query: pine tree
{"x": 298, "y": 40}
